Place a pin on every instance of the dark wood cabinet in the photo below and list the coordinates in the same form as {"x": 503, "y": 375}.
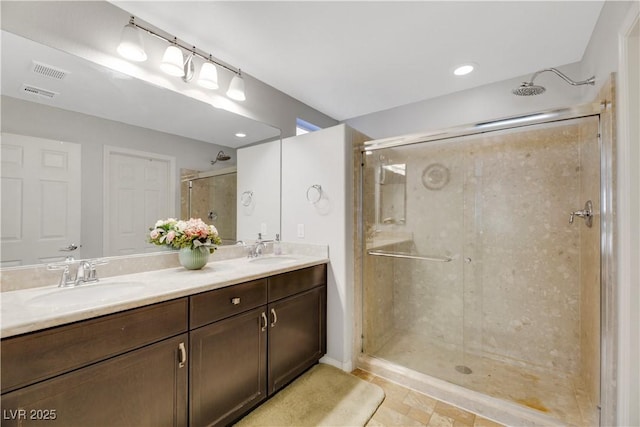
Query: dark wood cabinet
{"x": 297, "y": 335}
{"x": 127, "y": 368}
{"x": 228, "y": 368}
{"x": 145, "y": 387}
{"x": 202, "y": 360}
{"x": 37, "y": 356}
{"x": 237, "y": 362}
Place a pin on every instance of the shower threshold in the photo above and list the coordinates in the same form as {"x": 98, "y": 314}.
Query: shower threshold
{"x": 533, "y": 392}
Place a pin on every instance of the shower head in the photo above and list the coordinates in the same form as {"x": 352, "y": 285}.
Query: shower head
{"x": 221, "y": 157}
{"x": 528, "y": 88}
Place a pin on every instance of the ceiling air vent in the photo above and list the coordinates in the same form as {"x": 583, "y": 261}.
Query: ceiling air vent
{"x": 49, "y": 71}
{"x": 39, "y": 92}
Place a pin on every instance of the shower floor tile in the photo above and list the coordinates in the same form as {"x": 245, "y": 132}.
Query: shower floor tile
{"x": 553, "y": 394}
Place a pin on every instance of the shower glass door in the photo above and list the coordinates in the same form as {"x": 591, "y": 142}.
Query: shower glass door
{"x": 414, "y": 224}
{"x": 473, "y": 272}
{"x": 212, "y": 199}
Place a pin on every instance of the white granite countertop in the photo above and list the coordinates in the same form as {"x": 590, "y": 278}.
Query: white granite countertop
{"x": 38, "y": 308}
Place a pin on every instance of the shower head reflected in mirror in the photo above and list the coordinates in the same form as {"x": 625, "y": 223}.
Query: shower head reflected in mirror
{"x": 529, "y": 89}
{"x": 221, "y": 157}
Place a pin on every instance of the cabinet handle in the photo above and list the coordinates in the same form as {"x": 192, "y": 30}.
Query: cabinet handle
{"x": 264, "y": 318}
{"x": 275, "y": 317}
{"x": 183, "y": 355}
{"x": 235, "y": 301}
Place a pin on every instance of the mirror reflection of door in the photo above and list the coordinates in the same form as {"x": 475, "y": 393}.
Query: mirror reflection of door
{"x": 139, "y": 190}
{"x": 40, "y": 200}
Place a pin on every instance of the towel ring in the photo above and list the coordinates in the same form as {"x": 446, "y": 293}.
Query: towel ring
{"x": 314, "y": 193}
{"x": 246, "y": 198}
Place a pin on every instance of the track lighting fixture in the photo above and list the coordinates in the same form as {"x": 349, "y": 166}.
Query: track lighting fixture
{"x": 208, "y": 75}
{"x": 174, "y": 62}
{"x": 131, "y": 46}
{"x": 236, "y": 88}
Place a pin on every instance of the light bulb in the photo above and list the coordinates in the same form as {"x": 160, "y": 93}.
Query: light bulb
{"x": 464, "y": 69}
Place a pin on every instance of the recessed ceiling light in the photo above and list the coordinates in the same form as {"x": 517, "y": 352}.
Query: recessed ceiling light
{"x": 464, "y": 69}
{"x": 241, "y": 135}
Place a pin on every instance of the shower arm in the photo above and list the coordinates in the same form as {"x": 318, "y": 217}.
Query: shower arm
{"x": 589, "y": 81}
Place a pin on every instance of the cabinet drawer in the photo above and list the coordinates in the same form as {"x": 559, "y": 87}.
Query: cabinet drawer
{"x": 36, "y": 356}
{"x": 214, "y": 305}
{"x": 284, "y": 285}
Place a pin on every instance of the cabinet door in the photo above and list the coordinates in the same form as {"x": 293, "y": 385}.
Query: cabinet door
{"x": 146, "y": 387}
{"x": 297, "y": 335}
{"x": 228, "y": 368}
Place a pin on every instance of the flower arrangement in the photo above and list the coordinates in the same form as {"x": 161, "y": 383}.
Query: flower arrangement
{"x": 179, "y": 234}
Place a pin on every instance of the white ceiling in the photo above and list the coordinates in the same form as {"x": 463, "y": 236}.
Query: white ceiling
{"x": 347, "y": 59}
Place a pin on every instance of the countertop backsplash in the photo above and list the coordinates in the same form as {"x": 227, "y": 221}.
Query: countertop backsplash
{"x": 35, "y": 276}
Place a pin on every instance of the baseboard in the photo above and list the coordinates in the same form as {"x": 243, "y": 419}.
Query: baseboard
{"x": 347, "y": 366}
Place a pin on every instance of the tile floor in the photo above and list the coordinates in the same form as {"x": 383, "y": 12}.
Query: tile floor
{"x": 406, "y": 407}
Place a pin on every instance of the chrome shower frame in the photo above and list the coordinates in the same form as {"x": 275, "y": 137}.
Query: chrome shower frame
{"x": 608, "y": 327}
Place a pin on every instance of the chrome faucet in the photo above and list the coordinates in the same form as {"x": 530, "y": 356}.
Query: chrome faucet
{"x": 258, "y": 249}
{"x": 85, "y": 273}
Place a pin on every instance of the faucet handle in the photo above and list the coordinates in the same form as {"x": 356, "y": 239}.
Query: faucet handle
{"x": 92, "y": 263}
{"x": 65, "y": 278}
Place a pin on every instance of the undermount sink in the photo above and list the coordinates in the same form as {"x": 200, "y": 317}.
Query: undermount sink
{"x": 83, "y": 294}
{"x": 276, "y": 259}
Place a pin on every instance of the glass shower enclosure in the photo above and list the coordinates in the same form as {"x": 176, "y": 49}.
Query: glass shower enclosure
{"x": 211, "y": 196}
{"x": 481, "y": 263}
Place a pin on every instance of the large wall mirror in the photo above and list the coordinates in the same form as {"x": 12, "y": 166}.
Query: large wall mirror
{"x": 92, "y": 158}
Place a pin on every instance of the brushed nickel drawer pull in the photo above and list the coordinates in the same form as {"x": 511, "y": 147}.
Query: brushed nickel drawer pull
{"x": 235, "y": 301}
{"x": 275, "y": 317}
{"x": 183, "y": 355}
{"x": 264, "y": 318}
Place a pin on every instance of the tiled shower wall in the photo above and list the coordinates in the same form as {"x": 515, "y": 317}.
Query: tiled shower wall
{"x": 517, "y": 288}
{"x": 213, "y": 194}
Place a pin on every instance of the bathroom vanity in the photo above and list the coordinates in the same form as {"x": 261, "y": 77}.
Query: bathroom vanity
{"x": 205, "y": 357}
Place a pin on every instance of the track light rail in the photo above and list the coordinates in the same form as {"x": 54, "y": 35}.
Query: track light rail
{"x": 193, "y": 50}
